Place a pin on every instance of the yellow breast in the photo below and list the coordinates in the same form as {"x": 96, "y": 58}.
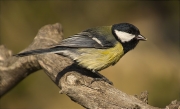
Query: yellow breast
{"x": 98, "y": 59}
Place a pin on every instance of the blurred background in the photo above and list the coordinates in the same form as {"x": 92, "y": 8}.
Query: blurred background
{"x": 152, "y": 66}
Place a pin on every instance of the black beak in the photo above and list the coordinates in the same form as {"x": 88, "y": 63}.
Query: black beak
{"x": 140, "y": 37}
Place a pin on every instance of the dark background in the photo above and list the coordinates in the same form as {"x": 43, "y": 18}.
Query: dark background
{"x": 152, "y": 66}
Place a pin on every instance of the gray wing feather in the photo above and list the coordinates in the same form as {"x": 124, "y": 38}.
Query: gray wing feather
{"x": 84, "y": 40}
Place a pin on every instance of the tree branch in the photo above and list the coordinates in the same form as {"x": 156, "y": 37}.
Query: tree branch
{"x": 73, "y": 80}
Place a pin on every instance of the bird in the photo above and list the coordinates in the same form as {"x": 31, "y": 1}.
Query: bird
{"x": 96, "y": 48}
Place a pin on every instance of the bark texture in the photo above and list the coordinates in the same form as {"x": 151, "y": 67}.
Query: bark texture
{"x": 72, "y": 80}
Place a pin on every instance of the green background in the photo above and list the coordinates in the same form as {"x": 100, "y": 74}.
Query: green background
{"x": 152, "y": 66}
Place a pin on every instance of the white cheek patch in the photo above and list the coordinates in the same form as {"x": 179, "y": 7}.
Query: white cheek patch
{"x": 123, "y": 36}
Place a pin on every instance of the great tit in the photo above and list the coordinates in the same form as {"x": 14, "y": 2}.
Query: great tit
{"x": 96, "y": 48}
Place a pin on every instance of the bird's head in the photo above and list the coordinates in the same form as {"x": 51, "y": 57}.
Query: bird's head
{"x": 128, "y": 35}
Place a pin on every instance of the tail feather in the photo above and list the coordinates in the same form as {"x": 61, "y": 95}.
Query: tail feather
{"x": 38, "y": 51}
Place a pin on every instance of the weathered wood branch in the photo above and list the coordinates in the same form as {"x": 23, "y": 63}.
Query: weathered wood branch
{"x": 72, "y": 80}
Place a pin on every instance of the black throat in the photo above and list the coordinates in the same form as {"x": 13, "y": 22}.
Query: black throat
{"x": 127, "y": 46}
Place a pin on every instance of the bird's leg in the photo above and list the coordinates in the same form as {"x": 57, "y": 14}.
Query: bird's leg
{"x": 102, "y": 78}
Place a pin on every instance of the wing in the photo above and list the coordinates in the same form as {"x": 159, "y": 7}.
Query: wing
{"x": 86, "y": 40}
{"x": 100, "y": 38}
